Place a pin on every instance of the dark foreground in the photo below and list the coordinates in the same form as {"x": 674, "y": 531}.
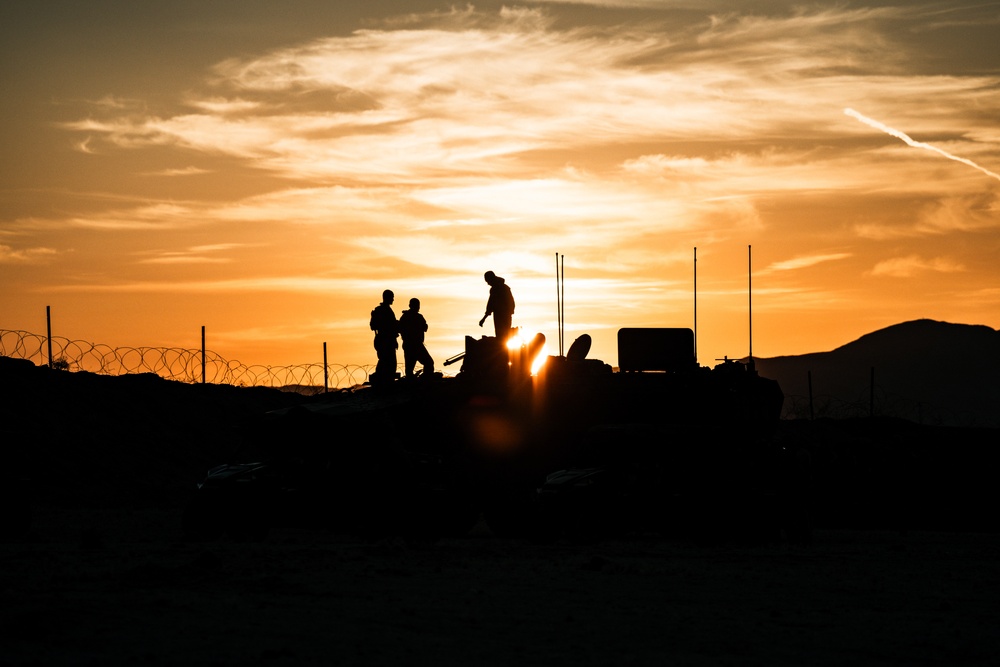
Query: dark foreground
{"x": 119, "y": 587}
{"x": 903, "y": 567}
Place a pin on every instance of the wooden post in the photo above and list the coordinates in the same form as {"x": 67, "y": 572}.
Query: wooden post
{"x": 326, "y": 374}
{"x": 809, "y": 375}
{"x": 871, "y": 399}
{"x": 48, "y": 329}
{"x": 203, "y": 354}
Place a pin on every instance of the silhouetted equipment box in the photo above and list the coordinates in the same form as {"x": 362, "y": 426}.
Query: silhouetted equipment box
{"x": 655, "y": 349}
{"x": 487, "y": 362}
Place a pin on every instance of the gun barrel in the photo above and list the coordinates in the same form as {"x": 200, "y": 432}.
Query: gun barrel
{"x": 450, "y": 360}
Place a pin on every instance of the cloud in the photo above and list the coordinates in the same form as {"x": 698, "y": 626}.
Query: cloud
{"x": 171, "y": 258}
{"x": 262, "y": 284}
{"x": 184, "y": 171}
{"x": 118, "y": 103}
{"x": 664, "y": 165}
{"x": 193, "y": 255}
{"x": 968, "y": 213}
{"x": 939, "y": 216}
{"x": 466, "y": 95}
{"x": 906, "y": 267}
{"x": 805, "y": 262}
{"x": 156, "y": 215}
{"x": 84, "y": 146}
{"x": 467, "y": 118}
{"x": 9, "y": 255}
{"x": 629, "y": 4}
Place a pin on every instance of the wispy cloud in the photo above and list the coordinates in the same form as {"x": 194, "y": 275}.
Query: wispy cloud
{"x": 263, "y": 284}
{"x": 183, "y": 171}
{"x": 905, "y": 267}
{"x": 10, "y": 255}
{"x": 466, "y": 120}
{"x": 84, "y": 146}
{"x": 158, "y": 215}
{"x": 204, "y": 254}
{"x": 939, "y": 216}
{"x": 805, "y": 262}
{"x": 467, "y": 96}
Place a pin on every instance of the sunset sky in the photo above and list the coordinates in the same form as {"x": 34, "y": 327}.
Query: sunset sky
{"x": 266, "y": 169}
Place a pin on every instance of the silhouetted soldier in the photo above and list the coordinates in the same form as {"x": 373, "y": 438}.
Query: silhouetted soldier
{"x": 383, "y": 323}
{"x": 500, "y": 305}
{"x": 412, "y": 326}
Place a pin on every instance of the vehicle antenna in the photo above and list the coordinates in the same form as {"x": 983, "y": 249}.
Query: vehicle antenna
{"x": 562, "y": 301}
{"x": 560, "y": 323}
{"x": 558, "y": 308}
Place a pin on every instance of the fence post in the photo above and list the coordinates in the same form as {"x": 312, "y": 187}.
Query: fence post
{"x": 203, "y": 354}
{"x": 48, "y": 330}
{"x": 809, "y": 377}
{"x": 326, "y": 375}
{"x": 871, "y": 399}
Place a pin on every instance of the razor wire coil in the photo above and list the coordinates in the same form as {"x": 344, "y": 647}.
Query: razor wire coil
{"x": 175, "y": 363}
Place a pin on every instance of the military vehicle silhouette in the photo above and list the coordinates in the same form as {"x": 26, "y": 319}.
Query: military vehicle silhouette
{"x": 576, "y": 448}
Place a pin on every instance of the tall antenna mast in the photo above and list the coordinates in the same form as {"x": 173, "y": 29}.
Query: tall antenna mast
{"x": 696, "y": 304}
{"x": 750, "y": 300}
{"x": 560, "y": 299}
{"x": 562, "y": 303}
{"x": 558, "y": 308}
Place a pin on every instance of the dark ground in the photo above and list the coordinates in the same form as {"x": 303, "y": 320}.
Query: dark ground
{"x": 903, "y": 567}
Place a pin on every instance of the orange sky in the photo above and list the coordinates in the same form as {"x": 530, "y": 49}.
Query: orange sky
{"x": 267, "y": 172}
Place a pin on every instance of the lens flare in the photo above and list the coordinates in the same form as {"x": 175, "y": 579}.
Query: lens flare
{"x": 516, "y": 340}
{"x": 539, "y": 361}
{"x": 520, "y": 344}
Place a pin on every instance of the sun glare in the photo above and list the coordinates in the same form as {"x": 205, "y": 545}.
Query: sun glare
{"x": 516, "y": 341}
{"x": 539, "y": 361}
{"x": 519, "y": 347}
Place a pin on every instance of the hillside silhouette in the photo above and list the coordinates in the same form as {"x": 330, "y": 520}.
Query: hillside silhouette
{"x": 924, "y": 370}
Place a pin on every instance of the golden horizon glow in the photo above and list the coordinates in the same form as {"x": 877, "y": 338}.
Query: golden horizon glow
{"x": 268, "y": 176}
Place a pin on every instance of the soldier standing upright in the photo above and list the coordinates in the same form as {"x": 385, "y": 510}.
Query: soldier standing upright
{"x": 500, "y": 305}
{"x": 383, "y": 323}
{"x": 412, "y": 327}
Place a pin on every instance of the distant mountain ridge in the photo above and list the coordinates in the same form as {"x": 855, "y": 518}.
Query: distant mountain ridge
{"x": 924, "y": 370}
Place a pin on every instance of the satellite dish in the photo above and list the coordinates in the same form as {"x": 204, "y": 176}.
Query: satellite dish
{"x": 580, "y": 348}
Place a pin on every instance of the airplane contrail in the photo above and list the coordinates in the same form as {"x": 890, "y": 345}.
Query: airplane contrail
{"x": 917, "y": 144}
